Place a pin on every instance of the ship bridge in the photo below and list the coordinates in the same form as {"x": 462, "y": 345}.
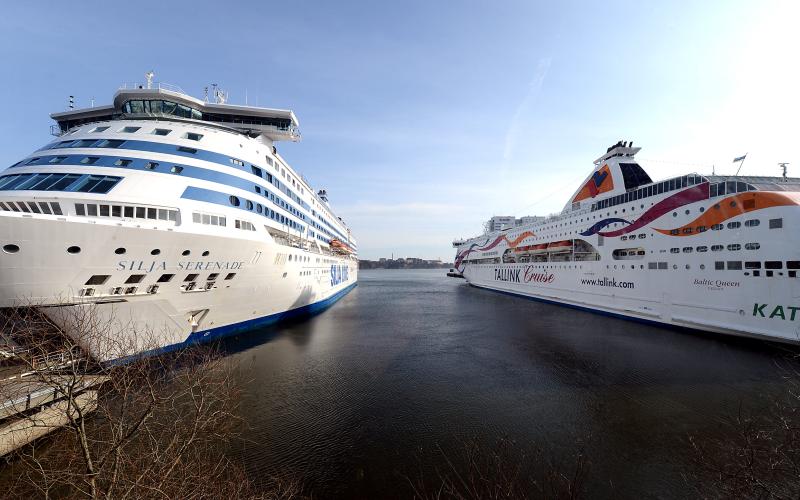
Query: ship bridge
{"x": 163, "y": 101}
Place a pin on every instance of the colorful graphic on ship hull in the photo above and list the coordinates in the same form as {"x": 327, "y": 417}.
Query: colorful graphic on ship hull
{"x": 716, "y": 213}
{"x": 732, "y": 206}
{"x": 600, "y": 182}
{"x": 479, "y": 247}
{"x": 677, "y": 200}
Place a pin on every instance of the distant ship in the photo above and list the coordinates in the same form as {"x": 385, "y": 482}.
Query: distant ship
{"x": 713, "y": 253}
{"x": 170, "y": 214}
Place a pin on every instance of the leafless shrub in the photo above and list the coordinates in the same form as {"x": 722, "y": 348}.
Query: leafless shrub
{"x": 503, "y": 471}
{"x": 160, "y": 428}
{"x": 753, "y": 454}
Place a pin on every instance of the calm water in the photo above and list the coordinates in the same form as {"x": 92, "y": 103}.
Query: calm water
{"x": 411, "y": 365}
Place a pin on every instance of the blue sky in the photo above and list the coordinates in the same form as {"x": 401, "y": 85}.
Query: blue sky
{"x": 423, "y": 119}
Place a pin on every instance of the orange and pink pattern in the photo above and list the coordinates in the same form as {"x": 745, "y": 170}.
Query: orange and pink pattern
{"x": 732, "y": 206}
{"x": 511, "y": 244}
{"x": 600, "y": 182}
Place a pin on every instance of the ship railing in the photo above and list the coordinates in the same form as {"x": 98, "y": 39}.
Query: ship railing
{"x": 55, "y": 360}
{"x": 11, "y": 351}
{"x": 153, "y": 86}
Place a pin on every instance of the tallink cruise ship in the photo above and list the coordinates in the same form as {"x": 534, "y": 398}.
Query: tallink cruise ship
{"x": 713, "y": 253}
{"x": 173, "y": 215}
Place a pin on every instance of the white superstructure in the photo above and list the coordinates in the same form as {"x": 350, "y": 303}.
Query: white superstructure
{"x": 171, "y": 214}
{"x": 712, "y": 253}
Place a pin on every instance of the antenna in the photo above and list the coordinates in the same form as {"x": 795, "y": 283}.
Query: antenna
{"x": 220, "y": 96}
{"x": 149, "y": 75}
{"x": 92, "y": 101}
{"x": 783, "y": 167}
{"x": 72, "y": 102}
{"x": 205, "y": 94}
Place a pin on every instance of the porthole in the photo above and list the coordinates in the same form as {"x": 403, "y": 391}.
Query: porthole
{"x": 10, "y": 248}
{"x": 687, "y": 212}
{"x": 155, "y": 251}
{"x": 702, "y": 266}
{"x": 674, "y": 214}
{"x": 234, "y": 201}
{"x": 206, "y": 253}
{"x": 733, "y": 204}
{"x": 73, "y": 249}
{"x": 120, "y": 251}
{"x": 185, "y": 253}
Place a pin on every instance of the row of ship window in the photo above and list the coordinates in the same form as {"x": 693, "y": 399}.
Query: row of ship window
{"x": 104, "y": 187}
{"x": 754, "y": 267}
{"x": 645, "y": 192}
{"x": 96, "y": 184}
{"x": 176, "y": 169}
{"x": 130, "y": 212}
{"x": 76, "y": 183}
{"x": 118, "y": 143}
{"x": 189, "y": 283}
{"x": 101, "y": 210}
{"x": 101, "y": 279}
{"x": 115, "y": 143}
{"x": 266, "y": 212}
{"x": 103, "y": 184}
{"x": 733, "y": 247}
{"x": 36, "y": 207}
{"x": 773, "y": 224}
{"x": 170, "y": 108}
{"x": 716, "y": 189}
{"x": 163, "y": 132}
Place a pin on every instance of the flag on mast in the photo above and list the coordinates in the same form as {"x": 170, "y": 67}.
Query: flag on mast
{"x": 740, "y": 158}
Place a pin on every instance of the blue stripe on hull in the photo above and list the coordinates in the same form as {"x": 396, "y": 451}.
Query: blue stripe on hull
{"x": 244, "y": 326}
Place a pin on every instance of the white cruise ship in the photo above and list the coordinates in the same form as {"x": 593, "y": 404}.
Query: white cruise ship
{"x": 712, "y": 253}
{"x": 172, "y": 215}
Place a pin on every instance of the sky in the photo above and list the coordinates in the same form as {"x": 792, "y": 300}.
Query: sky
{"x": 422, "y": 119}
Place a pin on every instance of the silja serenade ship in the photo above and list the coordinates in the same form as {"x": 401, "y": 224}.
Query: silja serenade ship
{"x": 712, "y": 253}
{"x": 171, "y": 214}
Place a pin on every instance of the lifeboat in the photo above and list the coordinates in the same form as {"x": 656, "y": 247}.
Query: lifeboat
{"x": 541, "y": 248}
{"x": 340, "y": 246}
{"x": 523, "y": 249}
{"x": 560, "y": 246}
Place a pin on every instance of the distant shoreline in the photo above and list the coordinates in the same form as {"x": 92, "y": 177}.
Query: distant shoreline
{"x": 403, "y": 264}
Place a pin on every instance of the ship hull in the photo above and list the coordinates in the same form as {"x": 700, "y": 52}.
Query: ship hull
{"x": 256, "y": 283}
{"x": 764, "y": 309}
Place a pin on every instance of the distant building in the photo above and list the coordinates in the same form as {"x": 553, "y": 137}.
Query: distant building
{"x": 500, "y": 222}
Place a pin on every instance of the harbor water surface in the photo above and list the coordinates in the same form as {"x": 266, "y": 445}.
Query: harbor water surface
{"x": 388, "y": 386}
